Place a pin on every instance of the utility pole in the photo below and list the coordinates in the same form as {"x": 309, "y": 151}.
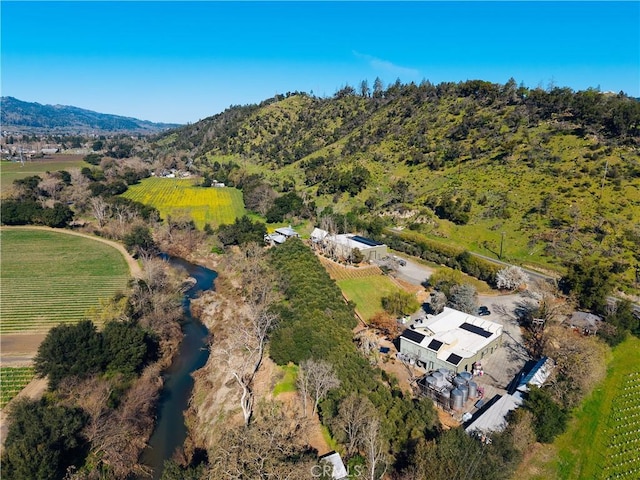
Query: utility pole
{"x": 604, "y": 177}
{"x": 501, "y": 245}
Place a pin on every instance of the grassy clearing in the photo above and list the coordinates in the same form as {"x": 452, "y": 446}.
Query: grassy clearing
{"x": 367, "y": 293}
{"x": 603, "y": 438}
{"x": 178, "y": 197}
{"x": 288, "y": 381}
{"x": 50, "y": 278}
{"x": 10, "y": 171}
{"x": 333, "y": 444}
{"x": 12, "y": 381}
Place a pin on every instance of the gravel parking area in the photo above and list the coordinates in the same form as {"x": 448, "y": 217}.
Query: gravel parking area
{"x": 502, "y": 366}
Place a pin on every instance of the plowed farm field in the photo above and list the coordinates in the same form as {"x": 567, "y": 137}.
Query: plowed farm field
{"x": 180, "y": 197}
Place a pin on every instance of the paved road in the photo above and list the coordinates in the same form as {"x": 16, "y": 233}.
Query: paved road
{"x": 534, "y": 274}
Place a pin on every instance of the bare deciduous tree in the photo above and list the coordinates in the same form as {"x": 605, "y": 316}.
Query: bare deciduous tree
{"x": 269, "y": 448}
{"x": 353, "y": 415}
{"x": 374, "y": 450}
{"x": 100, "y": 210}
{"x": 251, "y": 340}
{"x": 316, "y": 378}
{"x": 52, "y": 186}
{"x": 579, "y": 364}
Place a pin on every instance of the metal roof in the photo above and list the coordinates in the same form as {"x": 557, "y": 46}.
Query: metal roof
{"x": 366, "y": 241}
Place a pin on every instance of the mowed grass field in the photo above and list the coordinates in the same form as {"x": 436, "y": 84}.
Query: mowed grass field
{"x": 50, "y": 278}
{"x": 178, "y": 197}
{"x": 10, "y": 171}
{"x": 603, "y": 438}
{"x": 367, "y": 293}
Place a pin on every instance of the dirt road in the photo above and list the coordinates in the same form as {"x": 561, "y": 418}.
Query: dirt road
{"x": 34, "y": 391}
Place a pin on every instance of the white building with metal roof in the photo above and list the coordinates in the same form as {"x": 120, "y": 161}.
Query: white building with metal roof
{"x": 452, "y": 339}
{"x": 493, "y": 418}
{"x": 343, "y": 245}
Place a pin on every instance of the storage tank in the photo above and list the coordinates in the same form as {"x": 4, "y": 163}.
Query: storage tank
{"x": 473, "y": 389}
{"x": 446, "y": 373}
{"x": 465, "y": 392}
{"x": 439, "y": 377}
{"x": 466, "y": 375}
{"x": 458, "y": 380}
{"x": 456, "y": 399}
{"x": 431, "y": 381}
{"x": 444, "y": 397}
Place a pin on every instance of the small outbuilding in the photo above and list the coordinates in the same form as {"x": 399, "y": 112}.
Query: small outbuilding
{"x": 334, "y": 466}
{"x": 585, "y": 322}
{"x": 280, "y": 236}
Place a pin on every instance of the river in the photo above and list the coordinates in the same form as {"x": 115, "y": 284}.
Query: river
{"x": 170, "y": 431}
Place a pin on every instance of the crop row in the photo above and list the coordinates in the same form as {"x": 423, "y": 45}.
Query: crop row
{"x": 338, "y": 272}
{"x": 621, "y": 458}
{"x": 12, "y": 381}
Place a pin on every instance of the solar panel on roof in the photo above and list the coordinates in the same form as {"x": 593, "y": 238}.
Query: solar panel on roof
{"x": 413, "y": 336}
{"x": 366, "y": 241}
{"x": 454, "y": 359}
{"x": 475, "y": 329}
{"x": 435, "y": 345}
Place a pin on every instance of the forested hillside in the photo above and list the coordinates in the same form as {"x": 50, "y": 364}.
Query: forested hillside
{"x": 31, "y": 117}
{"x": 546, "y": 176}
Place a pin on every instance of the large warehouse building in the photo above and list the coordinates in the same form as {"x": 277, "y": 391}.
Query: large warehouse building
{"x": 452, "y": 339}
{"x": 341, "y": 246}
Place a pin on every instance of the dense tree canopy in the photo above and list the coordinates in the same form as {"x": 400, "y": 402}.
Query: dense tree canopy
{"x": 81, "y": 350}
{"x": 242, "y": 231}
{"x": 43, "y": 440}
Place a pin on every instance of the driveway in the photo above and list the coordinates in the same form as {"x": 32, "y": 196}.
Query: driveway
{"x": 412, "y": 271}
{"x": 501, "y": 367}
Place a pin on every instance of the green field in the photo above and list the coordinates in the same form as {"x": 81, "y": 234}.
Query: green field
{"x": 603, "y": 438}
{"x": 288, "y": 381}
{"x": 178, "y": 197}
{"x": 10, "y": 171}
{"x": 367, "y": 293}
{"x": 12, "y": 381}
{"x": 49, "y": 278}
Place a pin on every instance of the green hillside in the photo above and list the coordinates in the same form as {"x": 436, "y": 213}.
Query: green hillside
{"x": 553, "y": 175}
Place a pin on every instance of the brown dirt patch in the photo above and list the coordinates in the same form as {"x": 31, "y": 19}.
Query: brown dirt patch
{"x": 19, "y": 347}
{"x": 446, "y": 419}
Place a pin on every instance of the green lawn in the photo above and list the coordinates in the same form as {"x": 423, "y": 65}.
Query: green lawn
{"x": 50, "y": 277}
{"x": 177, "y": 197}
{"x": 603, "y": 438}
{"x": 367, "y": 293}
{"x": 10, "y": 171}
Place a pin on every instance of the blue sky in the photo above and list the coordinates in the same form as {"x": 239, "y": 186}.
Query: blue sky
{"x": 183, "y": 61}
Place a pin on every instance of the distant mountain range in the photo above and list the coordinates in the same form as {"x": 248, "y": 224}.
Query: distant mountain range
{"x": 30, "y": 117}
